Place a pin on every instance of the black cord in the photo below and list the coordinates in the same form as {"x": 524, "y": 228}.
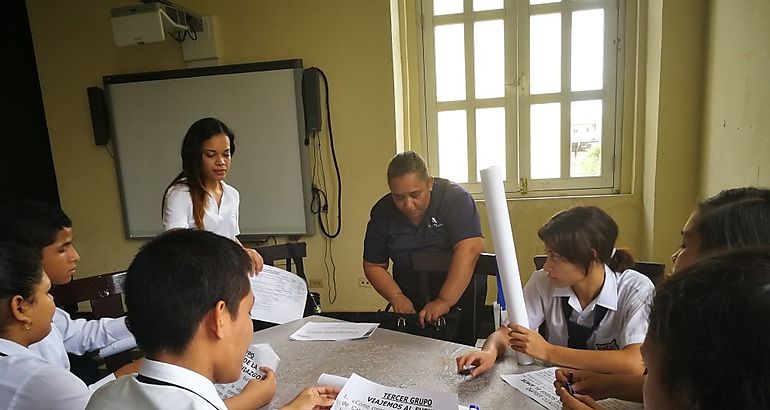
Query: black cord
{"x": 323, "y": 226}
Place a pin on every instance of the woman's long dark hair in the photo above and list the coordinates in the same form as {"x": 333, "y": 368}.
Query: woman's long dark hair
{"x": 577, "y": 232}
{"x": 192, "y": 156}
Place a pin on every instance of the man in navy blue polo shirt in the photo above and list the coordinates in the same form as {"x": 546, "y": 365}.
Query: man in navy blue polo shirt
{"x": 421, "y": 213}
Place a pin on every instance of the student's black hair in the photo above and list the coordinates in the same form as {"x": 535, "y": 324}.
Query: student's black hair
{"x": 406, "y": 163}
{"x": 709, "y": 329}
{"x": 20, "y": 274}
{"x": 734, "y": 218}
{"x": 576, "y": 232}
{"x": 192, "y": 157}
{"x": 32, "y": 223}
{"x": 175, "y": 280}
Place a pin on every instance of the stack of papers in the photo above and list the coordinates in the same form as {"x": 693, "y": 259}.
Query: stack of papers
{"x": 333, "y": 331}
{"x": 361, "y": 393}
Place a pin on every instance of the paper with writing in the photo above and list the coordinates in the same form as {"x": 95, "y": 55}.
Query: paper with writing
{"x": 279, "y": 295}
{"x": 258, "y": 355}
{"x": 333, "y": 331}
{"x": 361, "y": 393}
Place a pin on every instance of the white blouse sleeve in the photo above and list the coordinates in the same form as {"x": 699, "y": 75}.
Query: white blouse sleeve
{"x": 533, "y": 300}
{"x": 178, "y": 208}
{"x": 51, "y": 387}
{"x": 80, "y": 335}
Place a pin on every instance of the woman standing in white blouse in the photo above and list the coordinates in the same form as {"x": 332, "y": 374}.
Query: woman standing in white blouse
{"x": 27, "y": 381}
{"x": 198, "y": 197}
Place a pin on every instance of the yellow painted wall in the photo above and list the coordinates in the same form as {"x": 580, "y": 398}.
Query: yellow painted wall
{"x": 351, "y": 42}
{"x": 736, "y": 127}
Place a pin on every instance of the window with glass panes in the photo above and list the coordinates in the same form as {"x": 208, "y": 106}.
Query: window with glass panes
{"x": 525, "y": 85}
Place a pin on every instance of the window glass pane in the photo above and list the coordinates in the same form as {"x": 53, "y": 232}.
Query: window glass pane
{"x": 490, "y": 139}
{"x": 489, "y": 58}
{"x": 450, "y": 62}
{"x": 442, "y": 7}
{"x": 481, "y": 5}
{"x": 587, "y": 49}
{"x": 545, "y": 53}
{"x": 543, "y": 1}
{"x": 453, "y": 145}
{"x": 585, "y": 139}
{"x": 545, "y": 155}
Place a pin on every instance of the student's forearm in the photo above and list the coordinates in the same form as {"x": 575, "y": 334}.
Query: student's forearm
{"x": 626, "y": 361}
{"x": 627, "y": 386}
{"x": 381, "y": 280}
{"x": 497, "y": 342}
{"x": 464, "y": 257}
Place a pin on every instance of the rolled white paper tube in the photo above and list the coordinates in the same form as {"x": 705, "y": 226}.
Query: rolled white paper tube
{"x": 507, "y": 263}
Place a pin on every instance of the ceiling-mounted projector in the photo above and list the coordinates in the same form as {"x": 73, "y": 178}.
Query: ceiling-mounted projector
{"x": 151, "y": 21}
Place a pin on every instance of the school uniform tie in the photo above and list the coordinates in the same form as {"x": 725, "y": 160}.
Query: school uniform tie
{"x": 577, "y": 335}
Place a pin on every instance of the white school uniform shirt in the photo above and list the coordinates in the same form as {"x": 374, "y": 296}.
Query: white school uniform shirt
{"x": 27, "y": 381}
{"x": 79, "y": 336}
{"x": 191, "y": 390}
{"x": 220, "y": 219}
{"x": 626, "y": 295}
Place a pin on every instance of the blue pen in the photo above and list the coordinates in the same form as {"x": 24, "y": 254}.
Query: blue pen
{"x": 568, "y": 385}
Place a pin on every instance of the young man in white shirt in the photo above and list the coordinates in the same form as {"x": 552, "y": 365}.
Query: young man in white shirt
{"x": 188, "y": 297}
{"x": 46, "y": 229}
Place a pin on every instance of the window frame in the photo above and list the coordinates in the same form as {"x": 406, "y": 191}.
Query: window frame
{"x": 516, "y": 100}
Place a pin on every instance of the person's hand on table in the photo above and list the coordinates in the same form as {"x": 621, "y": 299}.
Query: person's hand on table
{"x": 432, "y": 311}
{"x": 402, "y": 304}
{"x": 585, "y": 382}
{"x": 482, "y": 359}
{"x": 314, "y": 398}
{"x": 256, "y": 393}
{"x": 576, "y": 402}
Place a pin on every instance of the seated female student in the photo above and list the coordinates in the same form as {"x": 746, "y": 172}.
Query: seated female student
{"x": 706, "y": 347}
{"x": 734, "y": 218}
{"x": 198, "y": 197}
{"x": 27, "y": 381}
{"x": 188, "y": 298}
{"x": 594, "y": 306}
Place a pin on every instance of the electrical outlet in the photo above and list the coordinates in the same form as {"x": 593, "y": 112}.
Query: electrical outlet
{"x": 363, "y": 282}
{"x": 316, "y": 283}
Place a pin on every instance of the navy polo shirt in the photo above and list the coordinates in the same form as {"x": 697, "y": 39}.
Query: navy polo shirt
{"x": 450, "y": 218}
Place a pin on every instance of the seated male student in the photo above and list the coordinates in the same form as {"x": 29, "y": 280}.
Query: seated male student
{"x": 47, "y": 230}
{"x": 188, "y": 298}
{"x": 422, "y": 213}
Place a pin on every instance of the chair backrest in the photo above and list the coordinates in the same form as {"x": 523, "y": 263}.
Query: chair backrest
{"x": 104, "y": 293}
{"x": 291, "y": 253}
{"x": 652, "y": 270}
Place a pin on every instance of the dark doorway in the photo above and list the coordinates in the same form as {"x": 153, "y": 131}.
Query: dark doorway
{"x": 26, "y": 148}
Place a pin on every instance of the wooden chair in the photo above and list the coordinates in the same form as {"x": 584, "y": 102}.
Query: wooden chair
{"x": 103, "y": 292}
{"x": 652, "y": 270}
{"x": 292, "y": 254}
{"x": 440, "y": 262}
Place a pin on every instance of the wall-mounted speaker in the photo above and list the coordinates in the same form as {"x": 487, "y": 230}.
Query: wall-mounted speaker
{"x": 99, "y": 118}
{"x": 311, "y": 99}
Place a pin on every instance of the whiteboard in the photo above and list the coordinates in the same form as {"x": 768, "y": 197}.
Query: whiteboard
{"x": 261, "y": 102}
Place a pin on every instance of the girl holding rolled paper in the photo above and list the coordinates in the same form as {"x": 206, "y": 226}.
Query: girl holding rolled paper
{"x": 593, "y": 306}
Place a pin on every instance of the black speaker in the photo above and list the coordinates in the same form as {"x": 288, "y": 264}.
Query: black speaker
{"x": 99, "y": 120}
{"x": 311, "y": 99}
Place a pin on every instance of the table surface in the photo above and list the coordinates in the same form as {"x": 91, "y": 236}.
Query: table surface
{"x": 392, "y": 359}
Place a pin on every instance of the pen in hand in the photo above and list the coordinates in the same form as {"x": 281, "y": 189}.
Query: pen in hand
{"x": 568, "y": 385}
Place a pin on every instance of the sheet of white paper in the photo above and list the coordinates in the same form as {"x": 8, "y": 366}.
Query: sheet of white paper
{"x": 258, "y": 355}
{"x": 339, "y": 381}
{"x": 119, "y": 346}
{"x": 279, "y": 295}
{"x": 538, "y": 385}
{"x": 360, "y": 393}
{"x": 507, "y": 263}
{"x": 333, "y": 331}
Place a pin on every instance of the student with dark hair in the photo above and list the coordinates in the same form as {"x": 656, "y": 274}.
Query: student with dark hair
{"x": 198, "y": 197}
{"x": 196, "y": 335}
{"x": 594, "y": 305}
{"x": 47, "y": 230}
{"x": 707, "y": 340}
{"x": 422, "y": 213}
{"x": 734, "y": 218}
{"x": 27, "y": 381}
